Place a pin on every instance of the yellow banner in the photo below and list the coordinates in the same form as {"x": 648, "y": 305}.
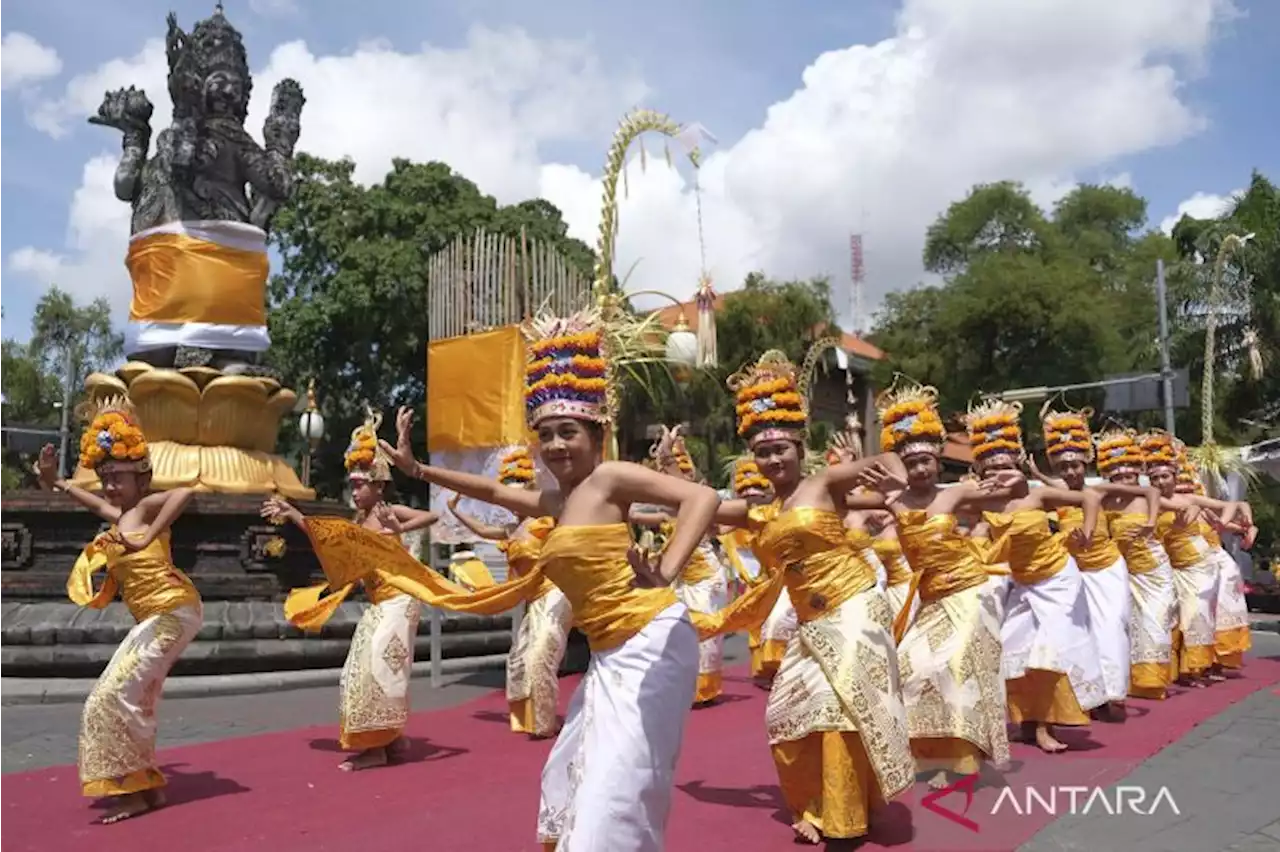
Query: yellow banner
{"x": 475, "y": 391}
{"x": 178, "y": 278}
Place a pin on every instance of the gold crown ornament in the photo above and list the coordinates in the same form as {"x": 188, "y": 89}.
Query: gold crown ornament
{"x": 909, "y": 420}
{"x": 364, "y": 459}
{"x": 770, "y": 404}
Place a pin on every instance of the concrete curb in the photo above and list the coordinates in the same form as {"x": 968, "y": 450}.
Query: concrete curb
{"x": 1265, "y": 626}
{"x": 19, "y": 691}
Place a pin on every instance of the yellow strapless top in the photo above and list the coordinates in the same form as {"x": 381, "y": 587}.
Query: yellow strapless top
{"x": 1208, "y": 533}
{"x": 1098, "y": 554}
{"x": 896, "y": 566}
{"x": 522, "y": 553}
{"x": 589, "y": 564}
{"x": 994, "y": 555}
{"x": 946, "y": 558}
{"x": 810, "y": 546}
{"x": 147, "y": 579}
{"x": 860, "y": 539}
{"x": 1182, "y": 543}
{"x": 1142, "y": 553}
{"x": 699, "y": 567}
{"x": 1035, "y": 552}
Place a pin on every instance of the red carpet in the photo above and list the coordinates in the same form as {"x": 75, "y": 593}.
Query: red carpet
{"x": 470, "y": 784}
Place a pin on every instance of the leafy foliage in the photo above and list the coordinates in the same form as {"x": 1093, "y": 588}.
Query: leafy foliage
{"x": 348, "y": 308}
{"x": 1028, "y": 300}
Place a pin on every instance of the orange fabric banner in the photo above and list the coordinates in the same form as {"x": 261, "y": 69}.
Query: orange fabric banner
{"x": 475, "y": 391}
{"x": 178, "y": 278}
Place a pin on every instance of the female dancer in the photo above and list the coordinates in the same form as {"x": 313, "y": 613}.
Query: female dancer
{"x": 1195, "y": 576}
{"x": 607, "y": 782}
{"x": 118, "y": 727}
{"x": 373, "y": 703}
{"x": 835, "y": 719}
{"x": 1103, "y": 574}
{"x": 768, "y": 640}
{"x": 1153, "y": 602}
{"x": 533, "y": 666}
{"x": 1231, "y": 614}
{"x": 949, "y": 655}
{"x": 1049, "y": 663}
{"x": 703, "y": 585}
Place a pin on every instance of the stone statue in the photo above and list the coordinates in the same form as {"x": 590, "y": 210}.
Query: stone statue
{"x": 205, "y": 168}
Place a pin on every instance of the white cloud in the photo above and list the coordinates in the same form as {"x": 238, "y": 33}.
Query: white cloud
{"x": 877, "y": 138}
{"x": 23, "y": 61}
{"x": 1201, "y": 205}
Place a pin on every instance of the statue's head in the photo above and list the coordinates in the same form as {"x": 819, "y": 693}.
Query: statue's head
{"x": 217, "y": 50}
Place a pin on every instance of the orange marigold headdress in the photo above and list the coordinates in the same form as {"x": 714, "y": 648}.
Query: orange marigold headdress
{"x": 1158, "y": 451}
{"x": 516, "y": 467}
{"x": 1067, "y": 436}
{"x": 770, "y": 402}
{"x": 364, "y": 459}
{"x": 994, "y": 430}
{"x": 747, "y": 477}
{"x": 1118, "y": 451}
{"x": 113, "y": 437}
{"x": 1188, "y": 474}
{"x": 909, "y": 421}
{"x": 567, "y": 371}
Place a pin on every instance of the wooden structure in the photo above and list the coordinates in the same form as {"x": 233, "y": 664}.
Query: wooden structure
{"x": 486, "y": 281}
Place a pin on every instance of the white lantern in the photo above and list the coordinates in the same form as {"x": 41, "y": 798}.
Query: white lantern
{"x": 311, "y": 423}
{"x": 682, "y": 345}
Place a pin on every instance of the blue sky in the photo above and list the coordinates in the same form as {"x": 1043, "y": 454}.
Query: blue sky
{"x": 806, "y": 152}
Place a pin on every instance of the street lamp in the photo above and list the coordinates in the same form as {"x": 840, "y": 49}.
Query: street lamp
{"x": 311, "y": 425}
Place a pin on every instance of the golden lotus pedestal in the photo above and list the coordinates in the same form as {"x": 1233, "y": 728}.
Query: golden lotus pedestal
{"x": 206, "y": 430}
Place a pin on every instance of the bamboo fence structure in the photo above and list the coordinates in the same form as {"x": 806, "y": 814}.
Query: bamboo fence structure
{"x": 487, "y": 281}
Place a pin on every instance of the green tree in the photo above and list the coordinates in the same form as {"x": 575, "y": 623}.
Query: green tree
{"x": 1028, "y": 299}
{"x": 764, "y": 314}
{"x": 348, "y": 307}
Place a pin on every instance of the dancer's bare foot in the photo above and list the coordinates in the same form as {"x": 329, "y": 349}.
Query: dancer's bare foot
{"x": 131, "y": 805}
{"x": 1194, "y": 681}
{"x": 1046, "y": 741}
{"x": 807, "y": 832}
{"x": 938, "y": 781}
{"x": 367, "y": 759}
{"x": 1216, "y": 675}
{"x": 156, "y": 797}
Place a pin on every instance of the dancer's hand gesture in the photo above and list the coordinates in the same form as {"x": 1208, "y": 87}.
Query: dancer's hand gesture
{"x": 47, "y": 467}
{"x": 402, "y": 453}
{"x": 645, "y": 567}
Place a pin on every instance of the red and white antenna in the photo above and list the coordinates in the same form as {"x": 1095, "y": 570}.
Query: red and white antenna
{"x": 857, "y": 273}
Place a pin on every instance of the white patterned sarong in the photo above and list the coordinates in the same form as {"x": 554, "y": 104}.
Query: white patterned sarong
{"x": 1106, "y": 594}
{"x": 374, "y": 685}
{"x": 1046, "y": 627}
{"x": 607, "y": 783}
{"x": 533, "y": 665}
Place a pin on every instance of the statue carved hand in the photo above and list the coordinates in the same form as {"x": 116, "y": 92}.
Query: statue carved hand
{"x": 124, "y": 109}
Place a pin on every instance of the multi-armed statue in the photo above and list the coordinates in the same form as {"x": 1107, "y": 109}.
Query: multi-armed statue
{"x": 197, "y": 256}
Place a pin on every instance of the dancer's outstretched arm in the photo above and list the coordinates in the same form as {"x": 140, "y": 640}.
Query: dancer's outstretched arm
{"x": 523, "y": 502}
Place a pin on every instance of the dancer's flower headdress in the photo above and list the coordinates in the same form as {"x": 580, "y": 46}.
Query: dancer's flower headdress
{"x": 994, "y": 429}
{"x": 1188, "y": 475}
{"x": 364, "y": 459}
{"x": 1118, "y": 451}
{"x": 847, "y": 441}
{"x": 1159, "y": 452}
{"x": 516, "y": 467}
{"x": 909, "y": 421}
{"x": 770, "y": 402}
{"x": 113, "y": 439}
{"x": 1066, "y": 434}
{"x": 567, "y": 371}
{"x": 746, "y": 477}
